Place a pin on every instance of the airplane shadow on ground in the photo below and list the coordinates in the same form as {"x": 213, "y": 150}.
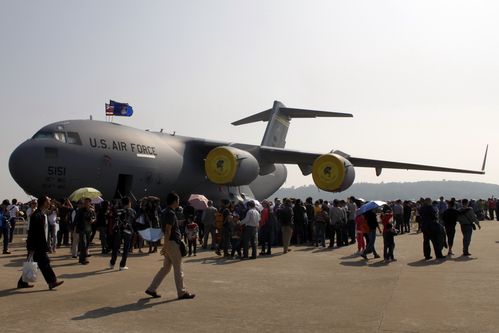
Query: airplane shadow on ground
{"x": 141, "y": 304}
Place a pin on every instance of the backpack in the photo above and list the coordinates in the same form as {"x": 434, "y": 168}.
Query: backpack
{"x": 219, "y": 220}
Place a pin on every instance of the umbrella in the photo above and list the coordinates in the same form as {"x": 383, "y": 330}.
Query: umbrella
{"x": 85, "y": 192}
{"x": 97, "y": 200}
{"x": 151, "y": 234}
{"x": 198, "y": 201}
{"x": 370, "y": 206}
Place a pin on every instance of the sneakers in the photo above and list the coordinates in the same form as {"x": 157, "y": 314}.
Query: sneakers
{"x": 55, "y": 284}
{"x": 6, "y": 252}
{"x": 153, "y": 294}
{"x": 187, "y": 296}
{"x": 21, "y": 286}
{"x": 86, "y": 262}
{"x": 124, "y": 268}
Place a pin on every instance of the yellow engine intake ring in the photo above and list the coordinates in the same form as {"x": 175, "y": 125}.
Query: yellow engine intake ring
{"x": 220, "y": 166}
{"x": 328, "y": 172}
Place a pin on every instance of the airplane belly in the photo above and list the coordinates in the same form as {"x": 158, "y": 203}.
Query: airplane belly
{"x": 264, "y": 186}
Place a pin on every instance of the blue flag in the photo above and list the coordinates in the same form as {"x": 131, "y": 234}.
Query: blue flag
{"x": 118, "y": 109}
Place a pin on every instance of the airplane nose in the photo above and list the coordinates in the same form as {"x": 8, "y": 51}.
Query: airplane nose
{"x": 21, "y": 167}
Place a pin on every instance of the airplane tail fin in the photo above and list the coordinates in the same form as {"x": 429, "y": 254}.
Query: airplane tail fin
{"x": 279, "y": 118}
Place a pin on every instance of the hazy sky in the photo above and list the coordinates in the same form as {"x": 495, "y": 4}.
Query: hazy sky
{"x": 420, "y": 77}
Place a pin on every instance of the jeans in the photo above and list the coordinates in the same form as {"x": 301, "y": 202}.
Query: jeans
{"x": 12, "y": 227}
{"x": 209, "y": 229}
{"x": 63, "y": 234}
{"x": 127, "y": 239}
{"x": 103, "y": 239}
{"x": 467, "y": 230}
{"x": 5, "y": 234}
{"x": 370, "y": 244}
{"x": 320, "y": 234}
{"x": 249, "y": 237}
{"x": 450, "y": 232}
{"x": 265, "y": 235}
{"x": 191, "y": 243}
{"x": 351, "y": 231}
{"x": 236, "y": 246}
{"x": 83, "y": 244}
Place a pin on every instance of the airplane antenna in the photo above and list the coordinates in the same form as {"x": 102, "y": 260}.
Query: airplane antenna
{"x": 91, "y": 117}
{"x": 161, "y": 131}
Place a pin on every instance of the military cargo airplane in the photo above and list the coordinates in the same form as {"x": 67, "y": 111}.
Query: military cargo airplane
{"x": 125, "y": 161}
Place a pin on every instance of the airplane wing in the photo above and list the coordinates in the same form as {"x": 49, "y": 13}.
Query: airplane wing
{"x": 305, "y": 160}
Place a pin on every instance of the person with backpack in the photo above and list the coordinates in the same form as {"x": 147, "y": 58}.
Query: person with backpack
{"x": 320, "y": 223}
{"x": 467, "y": 219}
{"x": 123, "y": 232}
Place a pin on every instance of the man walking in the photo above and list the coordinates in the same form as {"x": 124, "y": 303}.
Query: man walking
{"x": 250, "y": 223}
{"x": 37, "y": 245}
{"x": 431, "y": 230}
{"x": 467, "y": 219}
{"x": 171, "y": 251}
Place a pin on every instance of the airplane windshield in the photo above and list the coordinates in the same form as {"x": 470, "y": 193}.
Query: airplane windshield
{"x": 69, "y": 137}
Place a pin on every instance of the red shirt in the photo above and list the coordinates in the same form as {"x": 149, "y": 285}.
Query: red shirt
{"x": 385, "y": 219}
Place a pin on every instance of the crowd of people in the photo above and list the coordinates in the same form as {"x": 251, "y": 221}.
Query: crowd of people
{"x": 233, "y": 228}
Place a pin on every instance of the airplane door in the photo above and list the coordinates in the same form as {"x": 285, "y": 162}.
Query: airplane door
{"x": 124, "y": 186}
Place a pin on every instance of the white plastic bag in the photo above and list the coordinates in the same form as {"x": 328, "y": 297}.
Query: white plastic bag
{"x": 30, "y": 270}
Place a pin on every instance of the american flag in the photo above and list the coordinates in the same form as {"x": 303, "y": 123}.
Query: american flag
{"x": 109, "y": 110}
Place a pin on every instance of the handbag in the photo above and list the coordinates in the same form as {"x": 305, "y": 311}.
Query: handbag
{"x": 183, "y": 248}
{"x": 30, "y": 270}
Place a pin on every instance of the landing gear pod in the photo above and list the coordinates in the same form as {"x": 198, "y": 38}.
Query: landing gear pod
{"x": 231, "y": 166}
{"x": 333, "y": 173}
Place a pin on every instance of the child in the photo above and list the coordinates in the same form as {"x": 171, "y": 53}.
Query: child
{"x": 191, "y": 230}
{"x": 235, "y": 239}
{"x": 388, "y": 242}
{"x": 361, "y": 228}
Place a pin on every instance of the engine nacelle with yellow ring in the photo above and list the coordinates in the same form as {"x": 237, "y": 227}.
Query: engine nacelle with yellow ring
{"x": 333, "y": 173}
{"x": 231, "y": 166}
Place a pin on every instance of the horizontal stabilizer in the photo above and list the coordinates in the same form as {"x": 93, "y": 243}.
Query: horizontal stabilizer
{"x": 291, "y": 113}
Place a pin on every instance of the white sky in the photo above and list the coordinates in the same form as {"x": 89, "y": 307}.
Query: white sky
{"x": 420, "y": 77}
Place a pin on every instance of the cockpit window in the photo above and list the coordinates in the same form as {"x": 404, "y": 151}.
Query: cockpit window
{"x": 60, "y": 136}
{"x": 69, "y": 137}
{"x": 43, "y": 135}
{"x": 74, "y": 138}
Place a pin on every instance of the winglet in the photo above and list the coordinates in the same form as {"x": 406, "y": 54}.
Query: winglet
{"x": 485, "y": 158}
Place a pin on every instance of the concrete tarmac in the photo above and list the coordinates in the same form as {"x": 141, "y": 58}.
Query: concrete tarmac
{"x": 307, "y": 290}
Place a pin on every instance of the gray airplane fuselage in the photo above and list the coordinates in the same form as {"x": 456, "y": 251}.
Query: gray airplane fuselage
{"x": 119, "y": 160}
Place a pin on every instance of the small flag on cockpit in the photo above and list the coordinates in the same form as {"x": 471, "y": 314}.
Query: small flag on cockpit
{"x": 118, "y": 109}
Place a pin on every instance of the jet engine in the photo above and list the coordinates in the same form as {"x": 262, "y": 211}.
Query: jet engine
{"x": 333, "y": 173}
{"x": 231, "y": 166}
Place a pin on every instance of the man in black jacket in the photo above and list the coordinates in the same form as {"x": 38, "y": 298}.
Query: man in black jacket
{"x": 37, "y": 245}
{"x": 431, "y": 230}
